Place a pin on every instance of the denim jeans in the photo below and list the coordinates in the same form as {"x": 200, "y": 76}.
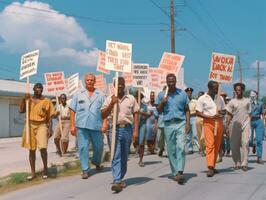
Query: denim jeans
{"x": 85, "y": 136}
{"x": 258, "y": 127}
{"x": 122, "y": 145}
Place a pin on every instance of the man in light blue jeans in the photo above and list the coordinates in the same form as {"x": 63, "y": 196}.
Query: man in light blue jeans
{"x": 174, "y": 107}
{"x": 86, "y": 121}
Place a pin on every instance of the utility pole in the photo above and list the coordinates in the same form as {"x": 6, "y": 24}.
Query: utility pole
{"x": 258, "y": 78}
{"x": 172, "y": 17}
{"x": 239, "y": 67}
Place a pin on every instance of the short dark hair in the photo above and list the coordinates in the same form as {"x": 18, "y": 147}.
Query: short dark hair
{"x": 211, "y": 84}
{"x": 63, "y": 95}
{"x": 119, "y": 80}
{"x": 38, "y": 85}
{"x": 242, "y": 85}
{"x": 170, "y": 75}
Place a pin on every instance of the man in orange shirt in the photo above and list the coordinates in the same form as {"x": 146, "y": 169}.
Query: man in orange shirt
{"x": 41, "y": 110}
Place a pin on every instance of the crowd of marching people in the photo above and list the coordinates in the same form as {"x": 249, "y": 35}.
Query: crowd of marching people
{"x": 173, "y": 122}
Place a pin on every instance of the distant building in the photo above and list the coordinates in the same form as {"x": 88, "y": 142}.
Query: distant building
{"x": 11, "y": 121}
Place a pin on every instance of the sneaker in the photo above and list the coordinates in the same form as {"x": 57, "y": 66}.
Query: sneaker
{"x": 254, "y": 149}
{"x": 190, "y": 152}
{"x": 116, "y": 187}
{"x": 244, "y": 168}
{"x": 85, "y": 175}
{"x": 259, "y": 161}
{"x": 180, "y": 178}
{"x": 210, "y": 173}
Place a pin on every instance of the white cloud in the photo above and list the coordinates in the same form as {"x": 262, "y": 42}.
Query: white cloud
{"x": 59, "y": 37}
{"x": 262, "y": 64}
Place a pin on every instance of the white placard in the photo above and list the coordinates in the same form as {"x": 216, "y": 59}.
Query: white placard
{"x": 29, "y": 64}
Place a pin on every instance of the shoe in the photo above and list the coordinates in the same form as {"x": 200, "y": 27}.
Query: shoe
{"x": 116, "y": 187}
{"x": 141, "y": 164}
{"x": 123, "y": 184}
{"x": 210, "y": 173}
{"x": 236, "y": 167}
{"x": 190, "y": 152}
{"x": 254, "y": 149}
{"x": 259, "y": 161}
{"x": 31, "y": 177}
{"x": 85, "y": 175}
{"x": 160, "y": 154}
{"x": 180, "y": 178}
{"x": 99, "y": 168}
{"x": 244, "y": 168}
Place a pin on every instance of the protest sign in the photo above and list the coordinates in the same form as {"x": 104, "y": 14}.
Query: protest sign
{"x": 100, "y": 82}
{"x": 111, "y": 88}
{"x": 171, "y": 62}
{"x": 222, "y": 68}
{"x": 118, "y": 56}
{"x": 55, "y": 82}
{"x": 73, "y": 84}
{"x": 101, "y": 63}
{"x": 29, "y": 63}
{"x": 128, "y": 79}
{"x": 140, "y": 75}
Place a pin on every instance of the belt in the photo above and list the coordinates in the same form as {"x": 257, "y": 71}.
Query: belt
{"x": 255, "y": 118}
{"x": 122, "y": 125}
{"x": 175, "y": 120}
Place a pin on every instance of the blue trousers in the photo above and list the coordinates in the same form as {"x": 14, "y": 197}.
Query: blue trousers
{"x": 85, "y": 136}
{"x": 192, "y": 136}
{"x": 119, "y": 162}
{"x": 258, "y": 127}
{"x": 176, "y": 140}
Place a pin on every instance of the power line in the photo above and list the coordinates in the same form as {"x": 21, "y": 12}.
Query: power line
{"x": 86, "y": 17}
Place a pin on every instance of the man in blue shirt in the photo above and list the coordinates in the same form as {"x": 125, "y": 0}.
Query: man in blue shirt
{"x": 86, "y": 120}
{"x": 257, "y": 124}
{"x": 176, "y": 119}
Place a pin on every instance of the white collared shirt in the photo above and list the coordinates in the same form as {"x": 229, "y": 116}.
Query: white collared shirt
{"x": 207, "y": 106}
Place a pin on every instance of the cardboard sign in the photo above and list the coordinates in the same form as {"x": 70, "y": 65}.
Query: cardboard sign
{"x": 118, "y": 56}
{"x": 100, "y": 82}
{"x": 28, "y": 64}
{"x": 140, "y": 75}
{"x": 73, "y": 84}
{"x": 222, "y": 68}
{"x": 111, "y": 88}
{"x": 55, "y": 82}
{"x": 171, "y": 62}
{"x": 128, "y": 79}
{"x": 101, "y": 63}
{"x": 154, "y": 78}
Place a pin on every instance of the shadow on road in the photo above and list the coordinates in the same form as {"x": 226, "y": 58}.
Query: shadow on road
{"x": 188, "y": 176}
{"x": 152, "y": 162}
{"x": 137, "y": 180}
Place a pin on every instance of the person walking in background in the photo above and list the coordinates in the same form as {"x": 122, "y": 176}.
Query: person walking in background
{"x": 174, "y": 107}
{"x": 212, "y": 123}
{"x": 86, "y": 123}
{"x": 192, "y": 138}
{"x": 61, "y": 139}
{"x": 127, "y": 115}
{"x": 257, "y": 113}
{"x": 41, "y": 110}
{"x": 200, "y": 132}
{"x": 238, "y": 110}
{"x": 151, "y": 124}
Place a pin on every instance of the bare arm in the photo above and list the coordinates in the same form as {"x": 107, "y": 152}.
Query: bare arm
{"x": 136, "y": 126}
{"x": 107, "y": 111}
{"x": 22, "y": 106}
{"x": 72, "y": 123}
{"x": 187, "y": 129}
{"x": 161, "y": 105}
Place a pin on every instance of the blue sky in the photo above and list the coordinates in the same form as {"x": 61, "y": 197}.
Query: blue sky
{"x": 72, "y": 31}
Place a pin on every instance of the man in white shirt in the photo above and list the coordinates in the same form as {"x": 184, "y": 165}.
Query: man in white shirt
{"x": 211, "y": 108}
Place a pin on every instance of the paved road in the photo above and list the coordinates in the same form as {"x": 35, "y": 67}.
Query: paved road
{"x": 154, "y": 182}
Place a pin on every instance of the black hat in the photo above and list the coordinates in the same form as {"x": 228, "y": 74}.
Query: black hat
{"x": 189, "y": 89}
